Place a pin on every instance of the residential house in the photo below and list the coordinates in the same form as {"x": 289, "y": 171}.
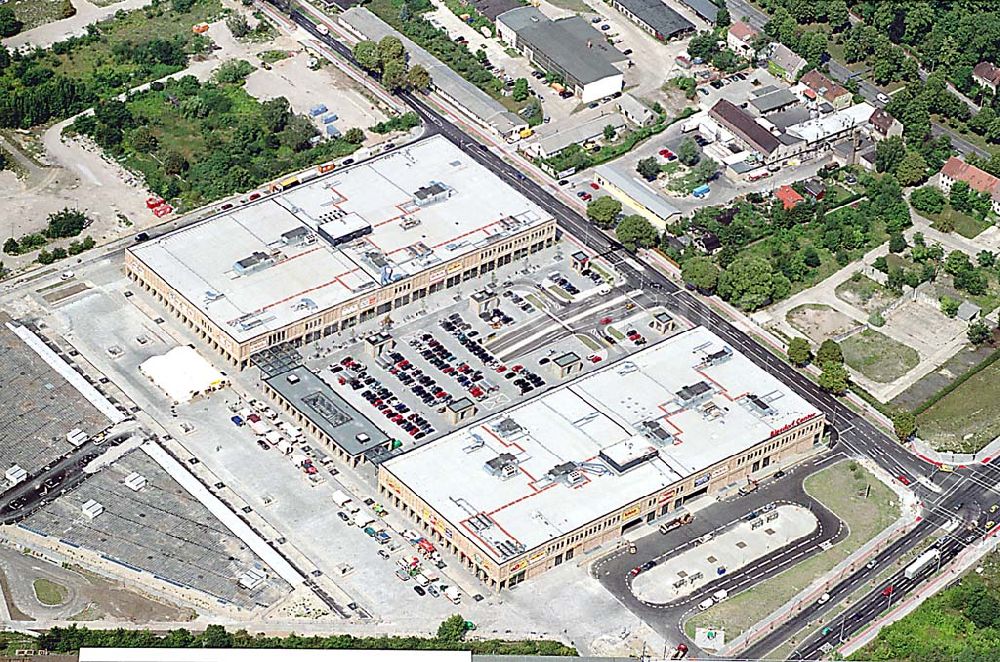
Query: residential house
{"x": 782, "y": 62}
{"x": 882, "y": 125}
{"x": 788, "y": 196}
{"x": 814, "y": 188}
{"x": 986, "y": 76}
{"x": 955, "y": 170}
{"x": 837, "y": 95}
{"x": 740, "y": 39}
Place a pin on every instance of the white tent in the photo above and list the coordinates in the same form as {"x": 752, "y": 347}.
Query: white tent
{"x": 182, "y": 374}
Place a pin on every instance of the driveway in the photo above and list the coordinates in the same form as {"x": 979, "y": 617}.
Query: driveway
{"x": 86, "y": 13}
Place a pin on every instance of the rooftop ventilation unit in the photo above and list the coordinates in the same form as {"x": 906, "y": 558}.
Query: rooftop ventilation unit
{"x": 212, "y": 295}
{"x": 433, "y": 192}
{"x": 655, "y": 432}
{"x": 409, "y": 223}
{"x": 507, "y": 427}
{"x": 503, "y": 466}
{"x": 255, "y": 262}
{"x": 296, "y": 236}
{"x": 304, "y": 303}
{"x": 476, "y": 443}
{"x": 694, "y": 394}
{"x": 717, "y": 356}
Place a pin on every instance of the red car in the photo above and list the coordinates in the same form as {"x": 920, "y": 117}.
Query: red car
{"x": 586, "y": 197}
{"x": 162, "y": 210}
{"x": 154, "y": 202}
{"x": 606, "y": 320}
{"x": 501, "y": 368}
{"x": 253, "y": 196}
{"x": 594, "y": 186}
{"x": 595, "y": 358}
{"x": 903, "y": 479}
{"x": 887, "y": 591}
{"x": 518, "y": 368}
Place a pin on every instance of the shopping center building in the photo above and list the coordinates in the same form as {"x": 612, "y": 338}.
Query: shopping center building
{"x": 537, "y": 485}
{"x": 333, "y": 250}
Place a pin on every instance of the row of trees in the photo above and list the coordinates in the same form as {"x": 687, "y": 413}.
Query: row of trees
{"x": 830, "y": 359}
{"x": 387, "y": 61}
{"x": 61, "y": 224}
{"x": 450, "y": 636}
{"x": 633, "y": 231}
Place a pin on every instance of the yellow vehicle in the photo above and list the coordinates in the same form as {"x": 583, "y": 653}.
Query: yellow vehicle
{"x": 947, "y": 468}
{"x": 527, "y": 133}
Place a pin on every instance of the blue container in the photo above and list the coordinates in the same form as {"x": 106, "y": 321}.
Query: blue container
{"x": 317, "y": 110}
{"x": 332, "y": 131}
{"x": 330, "y": 119}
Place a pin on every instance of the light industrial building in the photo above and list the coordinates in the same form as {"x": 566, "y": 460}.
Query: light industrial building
{"x": 569, "y": 47}
{"x": 654, "y": 17}
{"x": 339, "y": 249}
{"x": 543, "y": 482}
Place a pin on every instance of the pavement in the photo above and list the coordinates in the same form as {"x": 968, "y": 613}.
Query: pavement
{"x": 86, "y": 13}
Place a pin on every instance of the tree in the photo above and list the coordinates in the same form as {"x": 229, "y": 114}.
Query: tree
{"x": 834, "y": 378}
{"x": 889, "y": 153}
{"x": 979, "y": 332}
{"x": 174, "y": 163}
{"x": 609, "y": 132}
{"x": 702, "y": 273}
{"x": 11, "y": 247}
{"x": 354, "y": 135}
{"x": 520, "y": 91}
{"x": 238, "y": 25}
{"x": 837, "y": 15}
{"x": 390, "y": 48}
{"x": 418, "y": 78}
{"x": 959, "y": 196}
{"x": 366, "y": 53}
{"x": 897, "y": 242}
{"x": 904, "y": 424}
{"x": 636, "y": 232}
{"x": 829, "y": 352}
{"x": 649, "y": 168}
{"x": 688, "y": 152}
{"x": 603, "y": 211}
{"x": 9, "y": 25}
{"x": 705, "y": 169}
{"x": 142, "y": 140}
{"x": 912, "y": 169}
{"x": 722, "y": 18}
{"x": 215, "y": 636}
{"x": 986, "y": 259}
{"x": 274, "y": 114}
{"x": 747, "y": 283}
{"x": 928, "y": 200}
{"x": 949, "y": 306}
{"x": 452, "y": 629}
{"x": 65, "y": 223}
{"x": 799, "y": 352}
{"x": 393, "y": 74}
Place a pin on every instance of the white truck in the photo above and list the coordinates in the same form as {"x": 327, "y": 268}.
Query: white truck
{"x": 284, "y": 447}
{"x": 364, "y": 519}
{"x": 345, "y": 502}
{"x": 453, "y": 594}
{"x": 259, "y": 427}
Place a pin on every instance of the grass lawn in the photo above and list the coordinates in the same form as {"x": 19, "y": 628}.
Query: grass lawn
{"x": 835, "y": 195}
{"x": 878, "y": 357}
{"x": 949, "y": 220}
{"x": 50, "y": 593}
{"x": 966, "y": 419}
{"x": 39, "y": 12}
{"x": 864, "y": 293}
{"x": 842, "y": 491}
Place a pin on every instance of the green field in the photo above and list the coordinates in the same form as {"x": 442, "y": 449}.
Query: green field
{"x": 966, "y": 419}
{"x": 50, "y": 593}
{"x": 864, "y": 293}
{"x": 877, "y": 356}
{"x": 842, "y": 491}
{"x": 950, "y": 220}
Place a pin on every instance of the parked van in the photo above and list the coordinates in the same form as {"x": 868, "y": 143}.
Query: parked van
{"x": 705, "y": 604}
{"x": 720, "y": 595}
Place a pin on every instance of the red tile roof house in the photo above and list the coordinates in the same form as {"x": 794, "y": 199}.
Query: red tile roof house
{"x": 838, "y": 96}
{"x": 955, "y": 170}
{"x": 986, "y": 75}
{"x": 789, "y": 197}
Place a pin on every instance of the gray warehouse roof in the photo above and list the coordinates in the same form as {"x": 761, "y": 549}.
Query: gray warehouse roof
{"x": 773, "y": 101}
{"x": 707, "y": 9}
{"x": 638, "y": 191}
{"x": 556, "y": 140}
{"x": 570, "y": 43}
{"x": 329, "y": 412}
{"x": 449, "y": 83}
{"x": 658, "y": 16}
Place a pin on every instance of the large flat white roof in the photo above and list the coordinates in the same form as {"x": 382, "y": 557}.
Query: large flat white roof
{"x": 594, "y": 445}
{"x": 463, "y": 206}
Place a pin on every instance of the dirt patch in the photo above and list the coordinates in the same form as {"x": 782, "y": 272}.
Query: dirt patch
{"x": 819, "y": 322}
{"x": 108, "y": 600}
{"x": 15, "y": 613}
{"x": 864, "y": 293}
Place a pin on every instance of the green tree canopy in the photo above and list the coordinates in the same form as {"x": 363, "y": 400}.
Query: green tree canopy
{"x": 829, "y": 352}
{"x": 688, "y": 152}
{"x": 979, "y": 332}
{"x": 604, "y": 210}
{"x": 799, "y": 352}
{"x": 649, "y": 168}
{"x": 904, "y": 424}
{"x": 452, "y": 628}
{"x": 834, "y": 378}
{"x": 636, "y": 232}
{"x": 702, "y": 273}
{"x": 747, "y": 283}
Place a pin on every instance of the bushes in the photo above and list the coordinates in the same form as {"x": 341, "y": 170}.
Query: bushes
{"x": 403, "y": 122}
{"x": 71, "y": 639}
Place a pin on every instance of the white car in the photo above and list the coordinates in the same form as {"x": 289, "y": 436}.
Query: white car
{"x": 823, "y": 599}
{"x": 881, "y": 98}
{"x": 66, "y": 275}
